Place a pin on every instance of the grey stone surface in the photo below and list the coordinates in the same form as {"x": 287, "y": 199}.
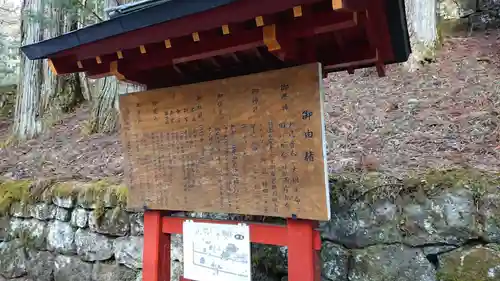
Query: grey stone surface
{"x": 20, "y": 210}
{"x": 137, "y": 224}
{"x": 139, "y": 276}
{"x": 92, "y": 246}
{"x": 79, "y": 218}
{"x": 436, "y": 250}
{"x": 112, "y": 223}
{"x": 390, "y": 262}
{"x": 128, "y": 251}
{"x": 260, "y": 274}
{"x": 17, "y": 279}
{"x": 177, "y": 270}
{"x": 62, "y": 214}
{"x": 68, "y": 268}
{"x": 67, "y": 202}
{"x": 363, "y": 224}
{"x": 335, "y": 261}
{"x": 268, "y": 261}
{"x": 489, "y": 209}
{"x": 61, "y": 238}
{"x": 107, "y": 272}
{"x": 32, "y": 231}
{"x": 448, "y": 218}
{"x": 37, "y": 232}
{"x": 4, "y": 227}
{"x": 438, "y": 226}
{"x": 471, "y": 263}
{"x": 41, "y": 266}
{"x": 13, "y": 259}
{"x": 43, "y": 211}
{"x": 16, "y": 226}
{"x": 176, "y": 246}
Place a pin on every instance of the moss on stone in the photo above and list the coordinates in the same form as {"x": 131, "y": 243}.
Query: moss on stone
{"x": 104, "y": 191}
{"x": 99, "y": 211}
{"x": 12, "y": 191}
{"x": 122, "y": 195}
{"x": 474, "y": 264}
{"x": 373, "y": 186}
{"x": 94, "y": 193}
{"x": 64, "y": 189}
{"x": 99, "y": 194}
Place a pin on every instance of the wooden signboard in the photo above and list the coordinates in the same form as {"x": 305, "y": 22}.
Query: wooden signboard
{"x": 246, "y": 145}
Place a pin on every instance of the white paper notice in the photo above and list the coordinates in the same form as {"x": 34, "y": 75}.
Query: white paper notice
{"x": 216, "y": 252}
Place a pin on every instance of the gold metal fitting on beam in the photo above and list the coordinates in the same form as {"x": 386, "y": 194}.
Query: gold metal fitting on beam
{"x": 297, "y": 11}
{"x": 196, "y": 37}
{"x": 259, "y": 21}
{"x": 269, "y": 34}
{"x": 168, "y": 44}
{"x": 225, "y": 29}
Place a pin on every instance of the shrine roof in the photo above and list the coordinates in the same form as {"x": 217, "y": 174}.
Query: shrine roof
{"x": 165, "y": 43}
{"x": 152, "y": 14}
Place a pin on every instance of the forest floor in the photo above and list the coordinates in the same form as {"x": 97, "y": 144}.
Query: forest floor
{"x": 446, "y": 114}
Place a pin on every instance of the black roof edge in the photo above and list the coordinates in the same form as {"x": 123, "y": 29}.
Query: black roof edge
{"x": 396, "y": 22}
{"x": 149, "y": 16}
{"x": 398, "y": 29}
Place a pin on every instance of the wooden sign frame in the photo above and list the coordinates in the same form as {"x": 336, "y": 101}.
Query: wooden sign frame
{"x": 251, "y": 145}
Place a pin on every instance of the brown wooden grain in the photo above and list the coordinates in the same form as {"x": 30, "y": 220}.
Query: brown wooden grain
{"x": 178, "y": 159}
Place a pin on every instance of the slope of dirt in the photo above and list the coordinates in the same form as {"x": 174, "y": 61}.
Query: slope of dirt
{"x": 446, "y": 114}
{"x": 64, "y": 152}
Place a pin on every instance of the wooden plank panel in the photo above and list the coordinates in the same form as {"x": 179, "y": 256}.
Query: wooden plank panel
{"x": 247, "y": 145}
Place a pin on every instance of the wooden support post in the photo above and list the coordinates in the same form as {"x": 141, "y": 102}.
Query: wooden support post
{"x": 301, "y": 253}
{"x": 156, "y": 255}
{"x": 300, "y": 236}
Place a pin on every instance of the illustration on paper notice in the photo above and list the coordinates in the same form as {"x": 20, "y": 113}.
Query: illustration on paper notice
{"x": 216, "y": 252}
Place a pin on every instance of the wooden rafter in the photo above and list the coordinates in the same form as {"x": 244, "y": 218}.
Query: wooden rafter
{"x": 300, "y": 34}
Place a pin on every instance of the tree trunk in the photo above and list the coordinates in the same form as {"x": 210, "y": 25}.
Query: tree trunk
{"x": 104, "y": 116}
{"x": 60, "y": 94}
{"x": 85, "y": 83}
{"x": 422, "y": 26}
{"x": 27, "y": 121}
{"x": 43, "y": 96}
{"x": 105, "y": 113}
{"x": 85, "y": 87}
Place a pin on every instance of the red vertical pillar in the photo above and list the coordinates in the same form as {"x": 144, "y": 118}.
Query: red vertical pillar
{"x": 301, "y": 253}
{"x": 156, "y": 253}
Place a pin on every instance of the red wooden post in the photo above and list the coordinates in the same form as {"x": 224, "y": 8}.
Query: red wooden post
{"x": 156, "y": 255}
{"x": 301, "y": 253}
{"x": 300, "y": 236}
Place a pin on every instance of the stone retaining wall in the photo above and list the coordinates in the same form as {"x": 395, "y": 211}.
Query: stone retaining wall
{"x": 438, "y": 231}
{"x": 63, "y": 239}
